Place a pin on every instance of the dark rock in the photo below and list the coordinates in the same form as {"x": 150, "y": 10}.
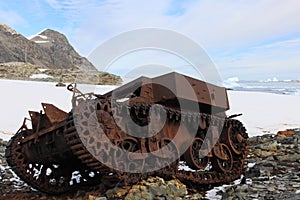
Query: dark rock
{"x": 253, "y": 172}
{"x": 60, "y": 84}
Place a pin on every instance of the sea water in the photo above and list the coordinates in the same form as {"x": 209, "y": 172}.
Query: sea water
{"x": 288, "y": 87}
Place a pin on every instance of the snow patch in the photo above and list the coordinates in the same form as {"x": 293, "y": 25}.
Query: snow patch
{"x": 184, "y": 167}
{"x": 33, "y": 76}
{"x": 212, "y": 194}
{"x": 41, "y": 42}
{"x": 250, "y": 165}
{"x": 35, "y": 35}
{"x": 42, "y": 70}
{"x": 43, "y": 37}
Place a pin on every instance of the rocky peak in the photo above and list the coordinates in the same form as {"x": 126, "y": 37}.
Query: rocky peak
{"x": 49, "y": 37}
{"x": 47, "y": 49}
{"x": 7, "y": 29}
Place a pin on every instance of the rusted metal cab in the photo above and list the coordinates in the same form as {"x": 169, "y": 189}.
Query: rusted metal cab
{"x": 171, "y": 89}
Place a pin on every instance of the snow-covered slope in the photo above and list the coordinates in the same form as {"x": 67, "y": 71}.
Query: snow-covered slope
{"x": 18, "y": 97}
{"x": 262, "y": 112}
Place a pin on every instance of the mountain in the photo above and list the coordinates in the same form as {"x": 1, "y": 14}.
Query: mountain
{"x": 48, "y": 49}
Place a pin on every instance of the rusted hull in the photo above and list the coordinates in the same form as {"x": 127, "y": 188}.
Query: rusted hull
{"x": 125, "y": 140}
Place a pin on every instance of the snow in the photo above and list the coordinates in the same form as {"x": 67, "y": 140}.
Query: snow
{"x": 250, "y": 165}
{"x": 40, "y": 76}
{"x": 213, "y": 193}
{"x": 43, "y": 70}
{"x": 43, "y": 37}
{"x": 262, "y": 112}
{"x": 40, "y": 42}
{"x": 18, "y": 97}
{"x": 265, "y": 112}
{"x": 35, "y": 35}
{"x": 184, "y": 167}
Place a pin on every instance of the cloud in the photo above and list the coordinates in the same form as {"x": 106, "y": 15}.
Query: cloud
{"x": 242, "y": 37}
{"x": 214, "y": 24}
{"x": 280, "y": 59}
{"x": 237, "y": 23}
{"x": 251, "y": 37}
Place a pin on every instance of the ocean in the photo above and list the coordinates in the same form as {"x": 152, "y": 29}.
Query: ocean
{"x": 287, "y": 87}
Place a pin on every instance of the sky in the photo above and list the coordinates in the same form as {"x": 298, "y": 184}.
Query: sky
{"x": 251, "y": 40}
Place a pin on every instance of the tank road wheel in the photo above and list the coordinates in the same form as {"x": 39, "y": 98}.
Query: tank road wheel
{"x": 226, "y": 164}
{"x": 235, "y": 140}
{"x": 192, "y": 155}
{"x": 169, "y": 161}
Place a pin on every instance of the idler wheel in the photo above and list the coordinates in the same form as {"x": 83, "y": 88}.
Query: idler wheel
{"x": 225, "y": 165}
{"x": 193, "y": 155}
{"x": 235, "y": 140}
{"x": 169, "y": 160}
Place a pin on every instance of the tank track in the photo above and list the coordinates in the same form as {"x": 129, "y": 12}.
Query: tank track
{"x": 199, "y": 176}
{"x": 59, "y": 180}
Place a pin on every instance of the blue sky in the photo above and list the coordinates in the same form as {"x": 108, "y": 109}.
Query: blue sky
{"x": 251, "y": 40}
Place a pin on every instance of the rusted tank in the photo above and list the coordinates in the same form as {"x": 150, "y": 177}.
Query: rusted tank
{"x": 170, "y": 126}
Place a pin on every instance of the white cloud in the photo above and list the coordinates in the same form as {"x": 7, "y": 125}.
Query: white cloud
{"x": 215, "y": 24}
{"x": 233, "y": 24}
{"x": 280, "y": 59}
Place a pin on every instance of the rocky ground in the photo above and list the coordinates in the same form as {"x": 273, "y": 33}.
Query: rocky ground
{"x": 273, "y": 173}
{"x": 27, "y": 71}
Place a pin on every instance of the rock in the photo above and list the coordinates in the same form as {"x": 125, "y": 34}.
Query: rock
{"x": 271, "y": 188}
{"x": 193, "y": 197}
{"x": 60, "y": 84}
{"x": 241, "y": 195}
{"x": 286, "y": 133}
{"x": 157, "y": 190}
{"x": 289, "y": 157}
{"x": 262, "y": 154}
{"x": 253, "y": 172}
{"x": 153, "y": 187}
{"x": 176, "y": 188}
{"x": 281, "y": 187}
{"x": 242, "y": 188}
{"x": 255, "y": 195}
{"x": 116, "y": 192}
{"x": 100, "y": 198}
